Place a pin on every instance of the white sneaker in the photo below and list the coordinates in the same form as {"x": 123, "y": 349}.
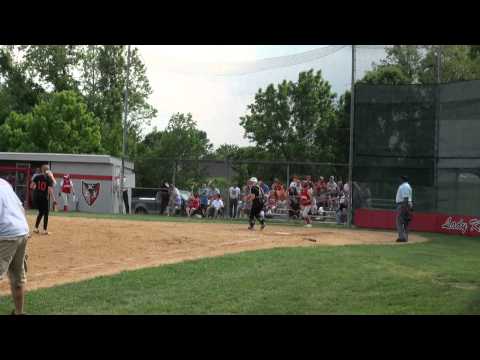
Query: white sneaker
{"x": 308, "y": 225}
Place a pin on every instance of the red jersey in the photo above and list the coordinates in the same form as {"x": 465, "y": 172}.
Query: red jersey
{"x": 321, "y": 186}
{"x": 196, "y": 203}
{"x": 305, "y": 198}
{"x": 66, "y": 186}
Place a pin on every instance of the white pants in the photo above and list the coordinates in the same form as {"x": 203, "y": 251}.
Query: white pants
{"x": 67, "y": 198}
{"x": 306, "y": 210}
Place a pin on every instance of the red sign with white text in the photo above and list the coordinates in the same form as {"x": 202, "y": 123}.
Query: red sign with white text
{"x": 428, "y": 222}
{"x": 463, "y": 225}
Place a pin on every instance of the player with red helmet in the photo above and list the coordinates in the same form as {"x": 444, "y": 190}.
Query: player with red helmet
{"x": 67, "y": 191}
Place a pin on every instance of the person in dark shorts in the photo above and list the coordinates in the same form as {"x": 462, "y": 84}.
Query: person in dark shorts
{"x": 43, "y": 191}
{"x": 258, "y": 200}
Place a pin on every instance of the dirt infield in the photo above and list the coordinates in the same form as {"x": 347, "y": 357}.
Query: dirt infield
{"x": 83, "y": 248}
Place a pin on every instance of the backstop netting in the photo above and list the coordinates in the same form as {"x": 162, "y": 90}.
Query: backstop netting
{"x": 427, "y": 132}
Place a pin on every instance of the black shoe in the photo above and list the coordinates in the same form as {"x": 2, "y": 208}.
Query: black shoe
{"x": 13, "y": 313}
{"x": 250, "y": 228}
{"x": 262, "y": 227}
{"x": 401, "y": 240}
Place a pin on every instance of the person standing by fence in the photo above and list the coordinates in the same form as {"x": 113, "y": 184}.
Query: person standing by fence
{"x": 404, "y": 208}
{"x": 234, "y": 194}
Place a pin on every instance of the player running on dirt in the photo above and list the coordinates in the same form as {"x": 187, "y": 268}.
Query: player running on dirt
{"x": 258, "y": 199}
{"x": 306, "y": 196}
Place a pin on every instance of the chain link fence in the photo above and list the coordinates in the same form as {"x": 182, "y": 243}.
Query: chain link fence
{"x": 189, "y": 175}
{"x": 427, "y": 132}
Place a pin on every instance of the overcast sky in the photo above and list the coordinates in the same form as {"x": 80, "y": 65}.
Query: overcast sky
{"x": 216, "y": 82}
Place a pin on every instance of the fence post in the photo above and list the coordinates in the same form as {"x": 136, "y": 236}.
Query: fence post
{"x": 227, "y": 202}
{"x": 174, "y": 171}
{"x": 288, "y": 175}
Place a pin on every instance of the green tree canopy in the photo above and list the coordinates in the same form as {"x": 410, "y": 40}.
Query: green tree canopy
{"x": 417, "y": 64}
{"x": 180, "y": 140}
{"x": 59, "y": 124}
{"x": 292, "y": 120}
{"x": 17, "y": 92}
{"x": 96, "y": 72}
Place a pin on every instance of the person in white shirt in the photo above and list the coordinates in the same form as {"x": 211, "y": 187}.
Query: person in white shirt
{"x": 14, "y": 232}
{"x": 175, "y": 201}
{"x": 216, "y": 206}
{"x": 404, "y": 204}
{"x": 234, "y": 194}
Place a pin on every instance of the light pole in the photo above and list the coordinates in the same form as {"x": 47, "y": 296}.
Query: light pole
{"x": 125, "y": 115}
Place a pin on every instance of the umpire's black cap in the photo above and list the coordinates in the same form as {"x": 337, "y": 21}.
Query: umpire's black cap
{"x": 404, "y": 177}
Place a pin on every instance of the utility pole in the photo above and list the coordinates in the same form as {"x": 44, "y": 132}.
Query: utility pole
{"x": 125, "y": 115}
{"x": 437, "y": 121}
{"x": 350, "y": 157}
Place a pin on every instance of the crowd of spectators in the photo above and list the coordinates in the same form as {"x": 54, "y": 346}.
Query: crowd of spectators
{"x": 207, "y": 202}
{"x": 327, "y": 197}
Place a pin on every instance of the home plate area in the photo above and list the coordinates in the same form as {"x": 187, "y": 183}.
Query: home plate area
{"x": 82, "y": 248}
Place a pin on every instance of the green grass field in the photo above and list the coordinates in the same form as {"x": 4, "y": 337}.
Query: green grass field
{"x": 436, "y": 277}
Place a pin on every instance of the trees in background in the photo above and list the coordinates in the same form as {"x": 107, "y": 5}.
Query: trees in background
{"x": 61, "y": 123}
{"x": 97, "y": 74}
{"x": 180, "y": 140}
{"x": 293, "y": 120}
{"x": 69, "y": 98}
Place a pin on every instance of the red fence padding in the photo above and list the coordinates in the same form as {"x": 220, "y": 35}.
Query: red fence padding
{"x": 426, "y": 222}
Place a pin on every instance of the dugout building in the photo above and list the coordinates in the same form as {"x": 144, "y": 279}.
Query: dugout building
{"x": 96, "y": 178}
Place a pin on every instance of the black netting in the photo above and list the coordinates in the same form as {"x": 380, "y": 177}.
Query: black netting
{"x": 428, "y": 133}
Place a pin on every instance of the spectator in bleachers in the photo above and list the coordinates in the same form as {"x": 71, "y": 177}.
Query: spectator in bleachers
{"x": 193, "y": 205}
{"x": 280, "y": 193}
{"x": 340, "y": 185}
{"x": 213, "y": 189}
{"x": 309, "y": 181}
{"x": 314, "y": 206}
{"x": 204, "y": 193}
{"x": 295, "y": 182}
{"x": 332, "y": 189}
{"x": 234, "y": 196}
{"x": 293, "y": 200}
{"x": 175, "y": 201}
{"x": 321, "y": 185}
{"x": 216, "y": 207}
{"x": 263, "y": 186}
{"x": 342, "y": 210}
{"x": 332, "y": 185}
{"x": 271, "y": 204}
{"x": 246, "y": 202}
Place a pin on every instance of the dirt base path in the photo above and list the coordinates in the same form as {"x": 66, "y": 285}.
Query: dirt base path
{"x": 83, "y": 248}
